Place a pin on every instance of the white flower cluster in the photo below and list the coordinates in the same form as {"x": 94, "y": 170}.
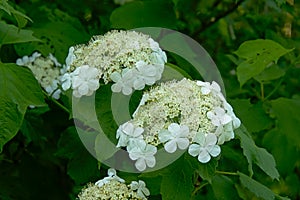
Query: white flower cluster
{"x": 178, "y": 114}
{"x": 46, "y": 71}
{"x": 113, "y": 187}
{"x": 129, "y": 59}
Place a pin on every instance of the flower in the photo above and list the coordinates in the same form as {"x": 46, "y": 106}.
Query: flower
{"x": 126, "y": 134}
{"x": 123, "y": 82}
{"x": 112, "y": 175}
{"x": 85, "y": 81}
{"x": 140, "y": 186}
{"x": 143, "y": 153}
{"x": 205, "y": 147}
{"x": 176, "y": 135}
{"x": 207, "y": 87}
{"x": 218, "y": 116}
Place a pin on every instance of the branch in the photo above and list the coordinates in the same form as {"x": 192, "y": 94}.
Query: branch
{"x": 232, "y": 8}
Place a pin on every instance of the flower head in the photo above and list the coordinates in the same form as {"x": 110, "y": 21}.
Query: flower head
{"x": 46, "y": 70}
{"x": 128, "y": 58}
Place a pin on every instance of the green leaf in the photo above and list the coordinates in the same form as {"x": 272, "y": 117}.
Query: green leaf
{"x": 10, "y": 120}
{"x": 283, "y": 150}
{"x": 270, "y": 73}
{"x": 223, "y": 188}
{"x": 82, "y": 166}
{"x": 10, "y": 34}
{"x": 287, "y": 112}
{"x": 20, "y": 17}
{"x": 258, "y": 55}
{"x": 154, "y": 13}
{"x": 252, "y": 115}
{"x": 256, "y": 155}
{"x": 205, "y": 170}
{"x": 177, "y": 183}
{"x": 19, "y": 89}
{"x": 255, "y": 187}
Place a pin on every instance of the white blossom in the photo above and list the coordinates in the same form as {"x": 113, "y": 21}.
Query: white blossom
{"x": 143, "y": 153}
{"x": 85, "y": 81}
{"x": 140, "y": 188}
{"x": 207, "y": 87}
{"x": 218, "y": 116}
{"x": 175, "y": 136}
{"x": 205, "y": 148}
{"x": 112, "y": 175}
{"x": 127, "y": 133}
{"x": 123, "y": 82}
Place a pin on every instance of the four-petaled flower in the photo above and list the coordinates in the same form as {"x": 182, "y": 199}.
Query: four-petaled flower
{"x": 206, "y": 87}
{"x": 175, "y": 136}
{"x": 112, "y": 175}
{"x": 127, "y": 134}
{"x": 143, "y": 153}
{"x": 85, "y": 81}
{"x": 218, "y": 116}
{"x": 141, "y": 189}
{"x": 205, "y": 148}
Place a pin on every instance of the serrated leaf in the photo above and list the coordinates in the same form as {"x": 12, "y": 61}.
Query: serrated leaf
{"x": 256, "y": 155}
{"x": 270, "y": 73}
{"x": 255, "y": 187}
{"x": 19, "y": 89}
{"x": 287, "y": 112}
{"x": 177, "y": 183}
{"x": 252, "y": 115}
{"x": 205, "y": 170}
{"x": 258, "y": 54}
{"x": 10, "y": 34}
{"x": 223, "y": 188}
{"x": 143, "y": 14}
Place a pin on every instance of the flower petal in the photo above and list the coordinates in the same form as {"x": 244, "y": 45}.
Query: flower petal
{"x": 170, "y": 146}
{"x": 183, "y": 143}
{"x": 204, "y": 156}
{"x": 215, "y": 151}
{"x": 194, "y": 149}
{"x": 140, "y": 164}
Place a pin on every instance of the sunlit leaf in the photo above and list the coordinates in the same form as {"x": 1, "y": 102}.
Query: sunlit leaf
{"x": 19, "y": 89}
{"x": 270, "y": 73}
{"x": 258, "y": 55}
{"x": 10, "y": 34}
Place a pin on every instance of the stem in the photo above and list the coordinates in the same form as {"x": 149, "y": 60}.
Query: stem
{"x": 274, "y": 90}
{"x": 56, "y": 102}
{"x": 262, "y": 91}
{"x": 227, "y": 173}
{"x": 199, "y": 188}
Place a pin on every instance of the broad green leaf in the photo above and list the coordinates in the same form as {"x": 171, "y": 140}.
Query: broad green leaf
{"x": 283, "y": 150}
{"x": 144, "y": 14}
{"x": 10, "y": 120}
{"x": 287, "y": 112}
{"x": 56, "y": 38}
{"x": 257, "y": 155}
{"x": 255, "y": 187}
{"x": 223, "y": 188}
{"x": 20, "y": 17}
{"x": 177, "y": 183}
{"x": 205, "y": 170}
{"x": 82, "y": 166}
{"x": 10, "y": 34}
{"x": 270, "y": 73}
{"x": 258, "y": 55}
{"x": 19, "y": 89}
{"x": 252, "y": 115}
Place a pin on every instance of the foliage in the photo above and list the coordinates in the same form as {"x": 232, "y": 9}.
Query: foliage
{"x": 255, "y": 46}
